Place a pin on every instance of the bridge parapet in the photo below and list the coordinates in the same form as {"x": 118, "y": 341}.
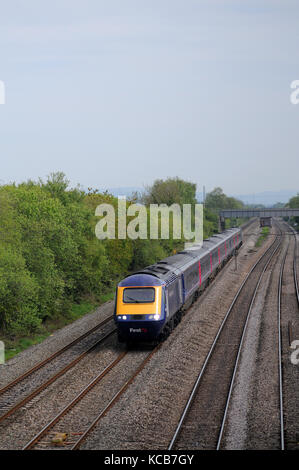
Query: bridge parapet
{"x": 243, "y": 213}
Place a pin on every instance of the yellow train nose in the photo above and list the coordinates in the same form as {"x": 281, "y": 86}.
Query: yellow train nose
{"x": 140, "y": 302}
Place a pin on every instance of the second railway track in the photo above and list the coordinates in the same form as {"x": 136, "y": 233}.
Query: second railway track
{"x": 203, "y": 418}
{"x": 27, "y": 386}
{"x": 42, "y": 439}
{"x": 289, "y": 332}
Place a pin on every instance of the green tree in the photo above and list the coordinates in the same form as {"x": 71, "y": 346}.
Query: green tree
{"x": 171, "y": 191}
{"x": 217, "y": 200}
{"x": 294, "y": 204}
{"x": 18, "y": 294}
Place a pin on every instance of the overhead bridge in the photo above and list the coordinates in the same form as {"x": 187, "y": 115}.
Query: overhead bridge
{"x": 261, "y": 213}
{"x": 243, "y": 213}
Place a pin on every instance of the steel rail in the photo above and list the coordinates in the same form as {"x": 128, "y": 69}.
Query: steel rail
{"x": 282, "y": 444}
{"x": 295, "y": 265}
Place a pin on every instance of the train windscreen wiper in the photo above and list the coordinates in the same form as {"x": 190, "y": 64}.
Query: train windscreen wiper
{"x": 134, "y": 300}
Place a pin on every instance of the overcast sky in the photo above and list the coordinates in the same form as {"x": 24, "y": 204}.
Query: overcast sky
{"x": 121, "y": 92}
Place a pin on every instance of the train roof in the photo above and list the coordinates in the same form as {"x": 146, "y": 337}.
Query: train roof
{"x": 142, "y": 279}
{"x": 211, "y": 243}
{"x": 169, "y": 268}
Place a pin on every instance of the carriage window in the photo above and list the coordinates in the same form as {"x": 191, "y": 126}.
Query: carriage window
{"x": 192, "y": 277}
{"x": 136, "y": 295}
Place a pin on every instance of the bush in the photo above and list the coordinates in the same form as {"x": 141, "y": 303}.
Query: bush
{"x": 18, "y": 294}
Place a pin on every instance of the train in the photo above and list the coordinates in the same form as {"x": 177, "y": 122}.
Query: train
{"x": 150, "y": 303}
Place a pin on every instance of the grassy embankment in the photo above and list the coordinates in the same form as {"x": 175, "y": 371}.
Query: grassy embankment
{"x": 14, "y": 347}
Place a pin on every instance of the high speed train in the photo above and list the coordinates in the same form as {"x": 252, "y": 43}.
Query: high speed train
{"x": 151, "y": 302}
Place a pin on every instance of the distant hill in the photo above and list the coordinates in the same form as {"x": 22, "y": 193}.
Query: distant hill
{"x": 267, "y": 198}
{"x": 123, "y": 191}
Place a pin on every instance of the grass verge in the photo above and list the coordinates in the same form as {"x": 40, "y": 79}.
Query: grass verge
{"x": 263, "y": 236}
{"x": 14, "y": 347}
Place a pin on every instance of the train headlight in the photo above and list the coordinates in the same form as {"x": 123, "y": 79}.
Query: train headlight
{"x": 156, "y": 317}
{"x": 124, "y": 317}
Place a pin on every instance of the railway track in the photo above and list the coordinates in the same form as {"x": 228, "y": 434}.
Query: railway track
{"x": 42, "y": 439}
{"x": 203, "y": 419}
{"x": 12, "y": 396}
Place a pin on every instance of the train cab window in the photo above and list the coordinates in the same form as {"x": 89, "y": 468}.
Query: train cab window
{"x": 137, "y": 295}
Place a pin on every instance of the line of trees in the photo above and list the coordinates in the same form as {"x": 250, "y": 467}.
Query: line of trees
{"x": 50, "y": 257}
